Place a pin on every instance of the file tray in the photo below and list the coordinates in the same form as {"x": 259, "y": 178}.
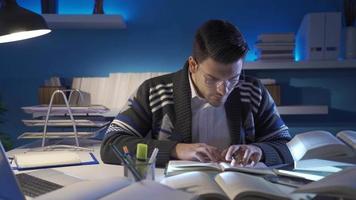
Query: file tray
{"x": 66, "y": 123}
{"x": 62, "y": 109}
{"x": 57, "y": 135}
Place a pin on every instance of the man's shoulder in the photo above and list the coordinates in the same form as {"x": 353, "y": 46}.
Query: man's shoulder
{"x": 251, "y": 81}
{"x": 160, "y": 81}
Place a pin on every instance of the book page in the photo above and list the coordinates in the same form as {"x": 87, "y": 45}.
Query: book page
{"x": 320, "y": 165}
{"x": 349, "y": 137}
{"x": 199, "y": 183}
{"x": 178, "y": 166}
{"x": 317, "y": 144}
{"x": 38, "y": 159}
{"x": 148, "y": 190}
{"x": 341, "y": 184}
{"x": 41, "y": 159}
{"x": 259, "y": 168}
{"x": 239, "y": 186}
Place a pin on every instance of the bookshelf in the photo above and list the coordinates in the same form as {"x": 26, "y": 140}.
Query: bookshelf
{"x": 302, "y": 65}
{"x": 303, "y": 110}
{"x": 56, "y": 21}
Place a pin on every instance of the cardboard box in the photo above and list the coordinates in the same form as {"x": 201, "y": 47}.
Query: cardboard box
{"x": 45, "y": 93}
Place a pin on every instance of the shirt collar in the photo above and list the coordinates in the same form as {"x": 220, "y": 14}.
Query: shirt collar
{"x": 192, "y": 88}
{"x": 196, "y": 99}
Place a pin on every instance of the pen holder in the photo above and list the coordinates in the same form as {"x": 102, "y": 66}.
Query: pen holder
{"x": 145, "y": 169}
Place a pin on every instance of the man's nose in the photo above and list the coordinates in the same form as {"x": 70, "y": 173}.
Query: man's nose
{"x": 222, "y": 88}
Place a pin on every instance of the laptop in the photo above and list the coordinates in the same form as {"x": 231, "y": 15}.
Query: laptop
{"x": 29, "y": 185}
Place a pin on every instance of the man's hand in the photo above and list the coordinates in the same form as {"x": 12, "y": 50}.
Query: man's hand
{"x": 197, "y": 151}
{"x": 243, "y": 155}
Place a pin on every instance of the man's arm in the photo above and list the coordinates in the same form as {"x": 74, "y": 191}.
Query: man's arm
{"x": 131, "y": 126}
{"x": 271, "y": 132}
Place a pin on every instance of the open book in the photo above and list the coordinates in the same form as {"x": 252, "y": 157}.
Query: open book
{"x": 224, "y": 186}
{"x": 175, "y": 167}
{"x": 323, "y": 145}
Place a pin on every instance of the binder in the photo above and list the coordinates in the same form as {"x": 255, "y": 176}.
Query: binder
{"x": 310, "y": 37}
{"x": 318, "y": 37}
{"x": 332, "y": 35}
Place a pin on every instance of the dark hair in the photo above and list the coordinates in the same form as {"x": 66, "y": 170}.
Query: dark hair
{"x": 219, "y": 40}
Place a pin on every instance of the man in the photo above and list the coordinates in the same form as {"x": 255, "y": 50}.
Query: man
{"x": 208, "y": 111}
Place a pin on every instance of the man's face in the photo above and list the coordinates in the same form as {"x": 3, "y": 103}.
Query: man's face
{"x": 213, "y": 80}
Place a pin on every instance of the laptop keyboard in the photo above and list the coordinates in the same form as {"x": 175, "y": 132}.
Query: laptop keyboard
{"x": 32, "y": 186}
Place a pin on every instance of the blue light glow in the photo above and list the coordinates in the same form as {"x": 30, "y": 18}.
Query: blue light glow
{"x": 77, "y": 7}
{"x": 298, "y": 49}
{"x": 296, "y": 55}
{"x": 251, "y": 56}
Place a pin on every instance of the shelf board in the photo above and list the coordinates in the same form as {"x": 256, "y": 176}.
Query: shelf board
{"x": 303, "y": 110}
{"x": 94, "y": 21}
{"x": 66, "y": 123}
{"x": 52, "y": 135}
{"x": 322, "y": 64}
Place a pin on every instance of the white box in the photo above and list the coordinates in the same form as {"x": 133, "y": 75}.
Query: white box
{"x": 318, "y": 37}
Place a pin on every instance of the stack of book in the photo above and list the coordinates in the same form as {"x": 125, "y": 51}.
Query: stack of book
{"x": 276, "y": 46}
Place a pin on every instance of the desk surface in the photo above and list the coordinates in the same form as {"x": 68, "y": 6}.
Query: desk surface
{"x": 85, "y": 172}
{"x": 103, "y": 171}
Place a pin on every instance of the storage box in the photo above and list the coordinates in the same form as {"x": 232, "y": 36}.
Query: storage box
{"x": 318, "y": 37}
{"x": 275, "y": 92}
{"x": 45, "y": 93}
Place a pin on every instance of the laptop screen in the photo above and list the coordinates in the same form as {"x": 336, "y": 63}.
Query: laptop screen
{"x": 8, "y": 183}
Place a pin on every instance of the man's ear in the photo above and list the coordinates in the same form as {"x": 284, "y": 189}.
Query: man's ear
{"x": 193, "y": 65}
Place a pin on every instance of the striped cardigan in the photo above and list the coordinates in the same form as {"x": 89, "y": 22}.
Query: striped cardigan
{"x": 159, "y": 114}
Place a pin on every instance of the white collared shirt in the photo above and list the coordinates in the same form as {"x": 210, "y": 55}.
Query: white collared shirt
{"x": 209, "y": 123}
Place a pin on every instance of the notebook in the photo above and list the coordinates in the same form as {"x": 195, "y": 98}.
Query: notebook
{"x": 49, "y": 159}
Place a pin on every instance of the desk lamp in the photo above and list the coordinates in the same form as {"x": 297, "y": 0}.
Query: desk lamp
{"x": 17, "y": 23}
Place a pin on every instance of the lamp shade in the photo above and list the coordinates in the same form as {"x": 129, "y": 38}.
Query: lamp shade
{"x": 17, "y": 23}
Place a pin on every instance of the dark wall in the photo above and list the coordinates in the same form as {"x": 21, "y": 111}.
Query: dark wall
{"x": 158, "y": 38}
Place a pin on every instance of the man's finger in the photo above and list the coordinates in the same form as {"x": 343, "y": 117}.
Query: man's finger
{"x": 230, "y": 151}
{"x": 204, "y": 151}
{"x": 215, "y": 152}
{"x": 238, "y": 155}
{"x": 255, "y": 158}
{"x": 223, "y": 153}
{"x": 246, "y": 157}
{"x": 201, "y": 157}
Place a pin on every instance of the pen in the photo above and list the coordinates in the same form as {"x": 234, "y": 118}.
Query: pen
{"x": 153, "y": 156}
{"x": 128, "y": 154}
{"x": 127, "y": 163}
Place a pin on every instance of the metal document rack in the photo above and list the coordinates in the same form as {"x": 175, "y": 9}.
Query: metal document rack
{"x": 66, "y": 110}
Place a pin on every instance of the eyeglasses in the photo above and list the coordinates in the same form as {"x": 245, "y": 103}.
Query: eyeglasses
{"x": 212, "y": 82}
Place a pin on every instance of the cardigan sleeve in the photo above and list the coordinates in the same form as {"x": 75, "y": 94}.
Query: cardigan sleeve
{"x": 271, "y": 132}
{"x": 132, "y": 126}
